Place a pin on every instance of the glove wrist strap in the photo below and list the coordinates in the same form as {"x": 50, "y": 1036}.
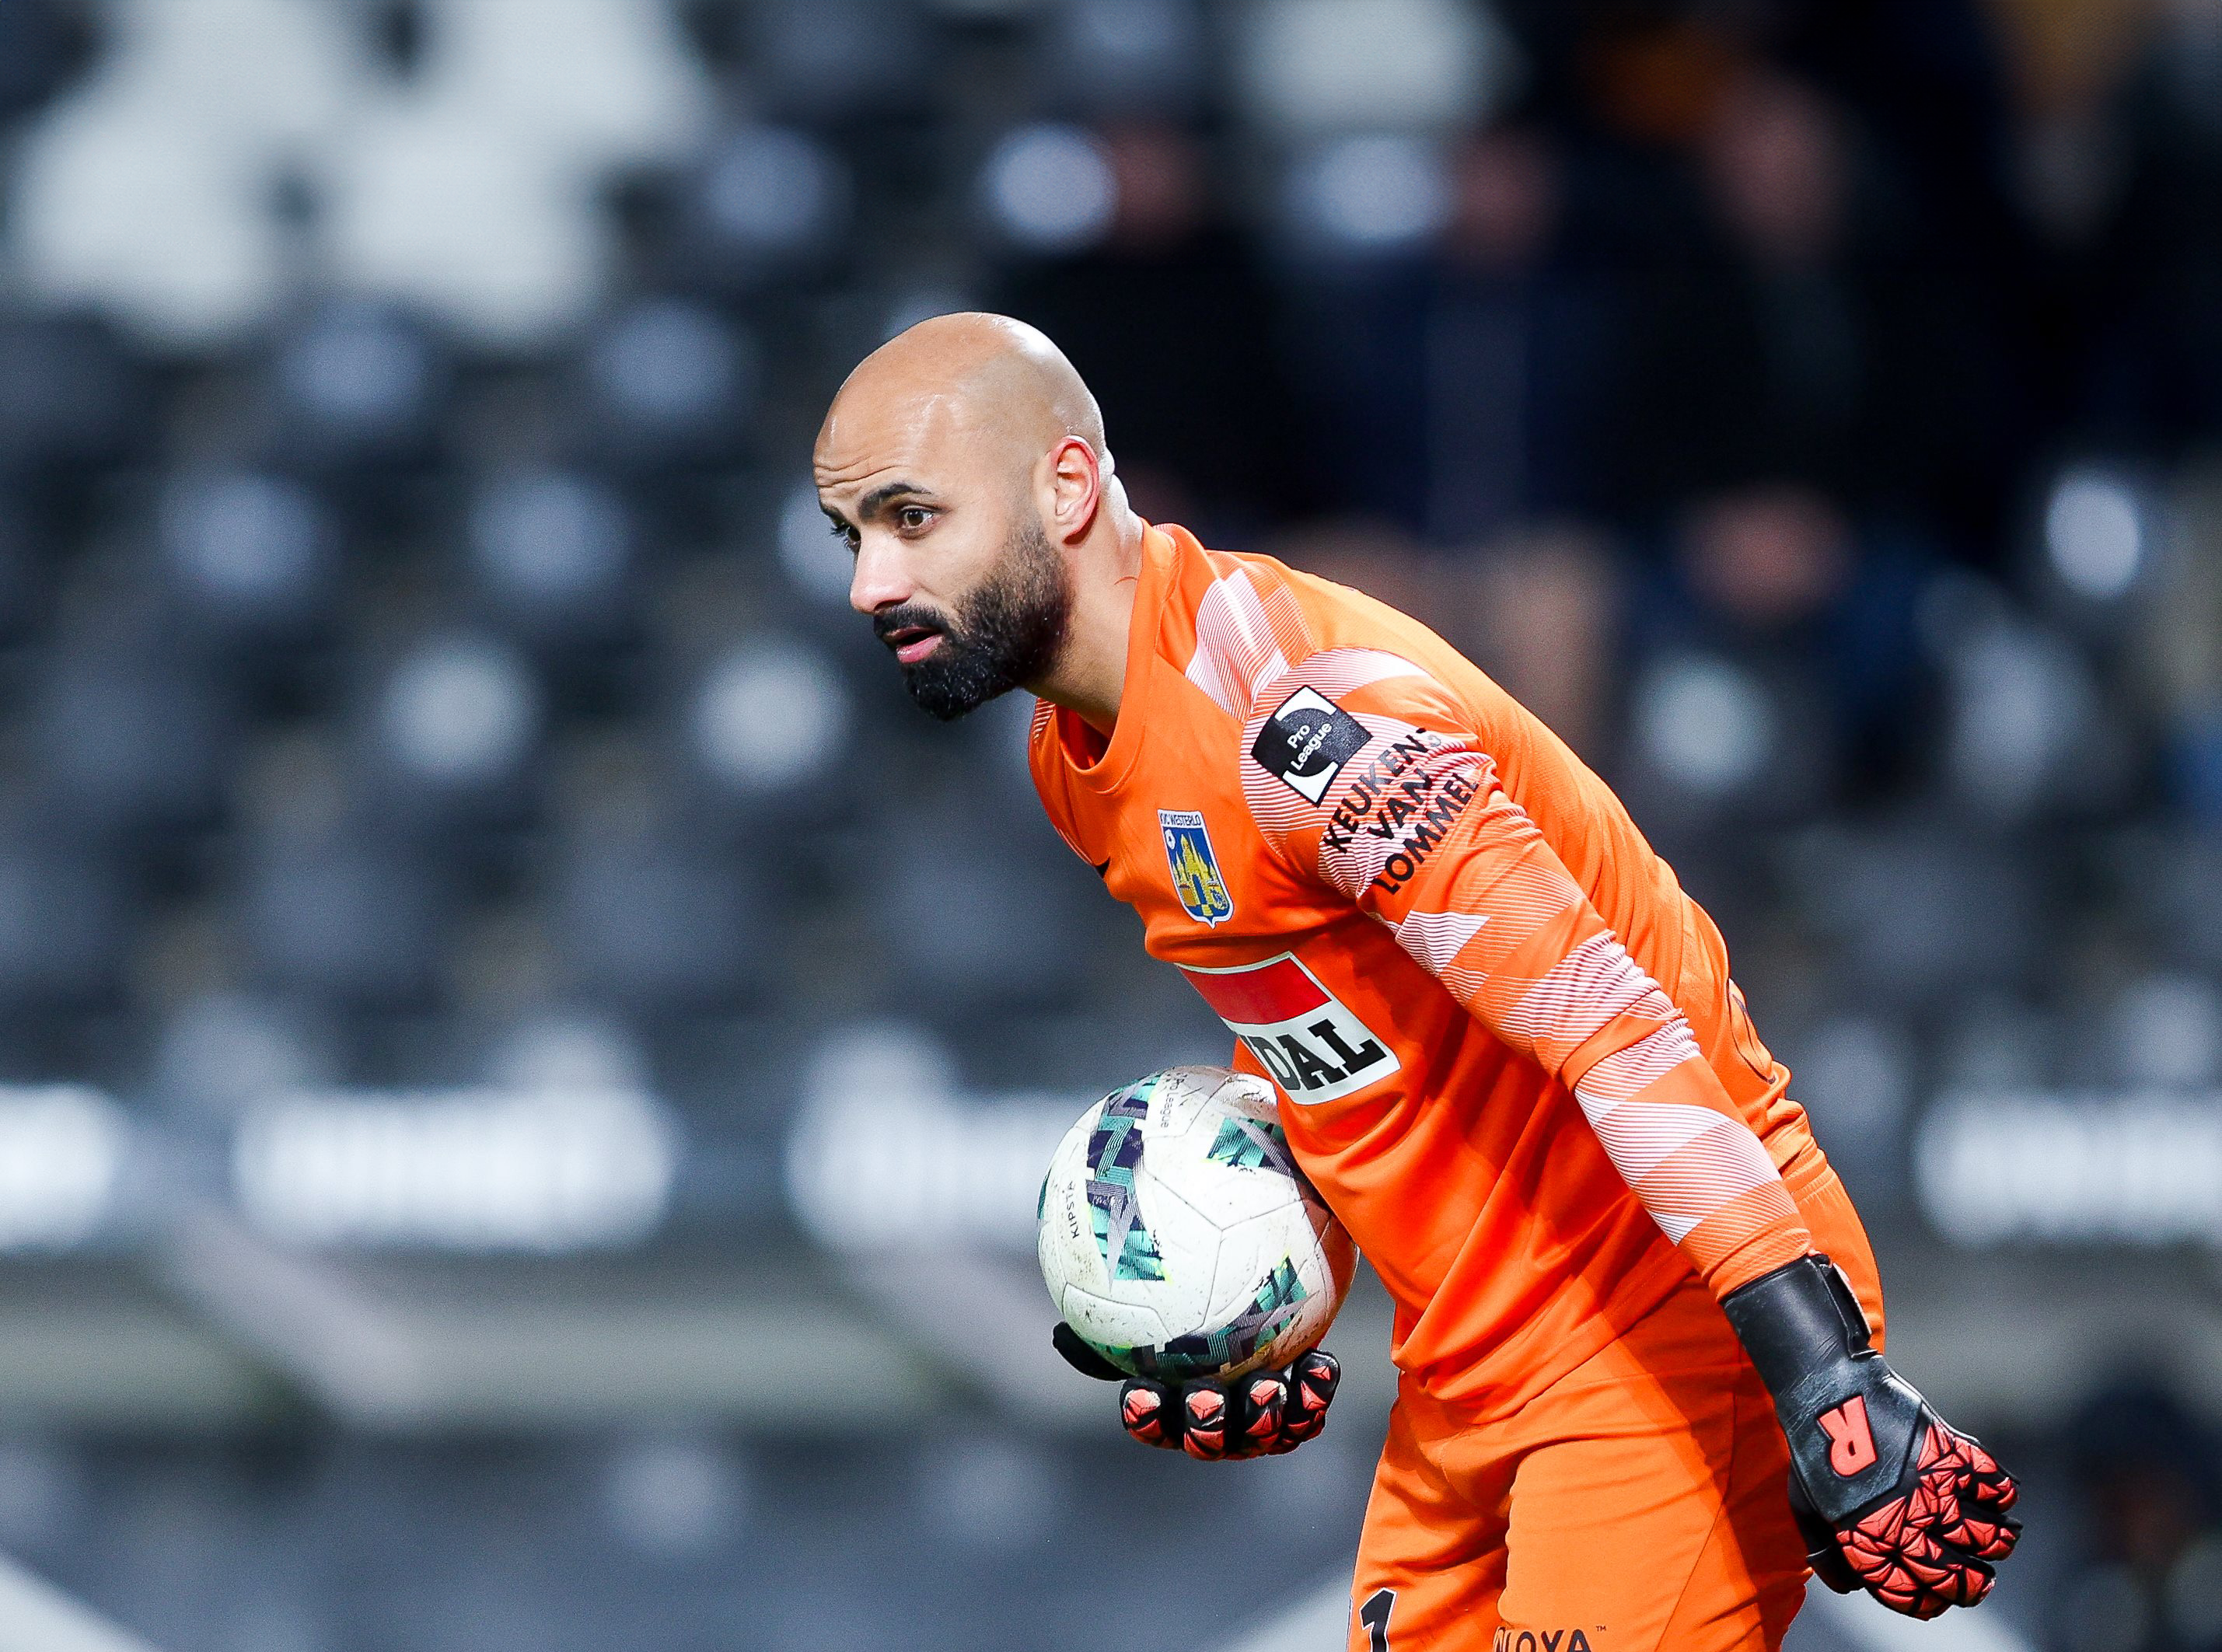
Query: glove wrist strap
{"x": 1853, "y": 1425}
{"x": 1797, "y": 1323}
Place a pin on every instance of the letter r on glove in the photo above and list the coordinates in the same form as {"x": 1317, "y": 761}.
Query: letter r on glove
{"x": 1851, "y": 1442}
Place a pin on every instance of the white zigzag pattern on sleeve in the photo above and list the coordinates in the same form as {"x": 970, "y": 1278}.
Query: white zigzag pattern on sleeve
{"x": 1236, "y": 652}
{"x": 1720, "y": 1160}
{"x": 1584, "y": 990}
{"x": 1627, "y": 1073}
{"x": 1720, "y": 1167}
{"x": 1435, "y": 938}
{"x": 1639, "y": 1136}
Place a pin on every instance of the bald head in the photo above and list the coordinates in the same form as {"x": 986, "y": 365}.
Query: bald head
{"x": 963, "y": 463}
{"x": 994, "y": 379}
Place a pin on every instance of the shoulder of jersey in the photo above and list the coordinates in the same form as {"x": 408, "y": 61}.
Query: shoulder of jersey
{"x": 1257, "y": 633}
{"x": 1348, "y": 707}
{"x": 1259, "y": 622}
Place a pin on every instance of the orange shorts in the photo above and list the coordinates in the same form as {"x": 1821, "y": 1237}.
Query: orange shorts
{"x": 1638, "y": 1503}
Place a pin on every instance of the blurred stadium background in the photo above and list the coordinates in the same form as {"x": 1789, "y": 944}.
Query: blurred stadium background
{"x": 526, "y": 1061}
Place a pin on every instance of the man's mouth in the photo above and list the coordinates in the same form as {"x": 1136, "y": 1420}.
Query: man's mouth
{"x": 912, "y": 643}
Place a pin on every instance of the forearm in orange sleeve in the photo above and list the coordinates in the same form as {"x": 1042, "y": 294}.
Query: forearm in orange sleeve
{"x": 1474, "y": 892}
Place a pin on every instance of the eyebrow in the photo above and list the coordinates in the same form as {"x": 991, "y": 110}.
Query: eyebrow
{"x": 877, "y": 500}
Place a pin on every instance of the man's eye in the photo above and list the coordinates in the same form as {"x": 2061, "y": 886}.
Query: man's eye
{"x": 846, "y": 534}
{"x": 912, "y": 517}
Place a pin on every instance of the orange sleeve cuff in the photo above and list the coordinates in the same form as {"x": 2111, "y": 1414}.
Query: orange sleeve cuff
{"x": 1755, "y": 1232}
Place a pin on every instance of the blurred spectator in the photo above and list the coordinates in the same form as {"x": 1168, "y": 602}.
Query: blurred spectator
{"x": 2180, "y": 655}
{"x": 1170, "y": 320}
{"x": 1767, "y": 559}
{"x": 1806, "y": 338}
{"x": 2156, "y": 375}
{"x": 1796, "y": 638}
{"x": 1543, "y": 609}
{"x": 1515, "y": 350}
{"x": 1464, "y": 390}
{"x": 1374, "y": 556}
{"x": 2150, "y": 1579}
{"x": 1539, "y": 609}
{"x": 1653, "y": 75}
{"x": 2065, "y": 60}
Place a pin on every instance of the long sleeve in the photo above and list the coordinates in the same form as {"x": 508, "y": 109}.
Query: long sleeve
{"x": 1362, "y": 776}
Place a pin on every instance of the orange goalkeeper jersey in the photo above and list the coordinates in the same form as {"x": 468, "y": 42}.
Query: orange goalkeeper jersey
{"x": 1508, "y": 1050}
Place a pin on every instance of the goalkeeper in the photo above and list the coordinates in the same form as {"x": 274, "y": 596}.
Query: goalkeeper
{"x": 1638, "y": 1326}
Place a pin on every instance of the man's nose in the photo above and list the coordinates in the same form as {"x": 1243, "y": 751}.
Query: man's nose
{"x": 879, "y": 578}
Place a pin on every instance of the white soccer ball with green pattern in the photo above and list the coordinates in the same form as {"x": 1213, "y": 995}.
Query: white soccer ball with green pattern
{"x": 1177, "y": 1235}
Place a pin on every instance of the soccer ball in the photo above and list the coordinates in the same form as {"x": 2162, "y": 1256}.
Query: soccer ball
{"x": 1178, "y": 1237}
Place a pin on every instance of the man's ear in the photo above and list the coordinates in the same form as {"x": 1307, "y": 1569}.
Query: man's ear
{"x": 1075, "y": 487}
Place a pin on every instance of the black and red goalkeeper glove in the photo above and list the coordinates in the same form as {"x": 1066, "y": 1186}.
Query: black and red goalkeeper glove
{"x": 1892, "y": 1499}
{"x": 1259, "y": 1415}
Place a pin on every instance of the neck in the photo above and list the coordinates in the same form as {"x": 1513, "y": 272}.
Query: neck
{"x": 1091, "y": 671}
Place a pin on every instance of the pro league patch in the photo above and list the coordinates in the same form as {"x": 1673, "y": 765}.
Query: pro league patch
{"x": 1306, "y": 741}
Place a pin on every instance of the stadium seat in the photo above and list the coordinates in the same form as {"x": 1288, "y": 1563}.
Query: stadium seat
{"x": 766, "y": 730}
{"x": 978, "y": 911}
{"x": 768, "y": 200}
{"x": 671, "y": 381}
{"x": 552, "y": 556}
{"x": 347, "y": 919}
{"x": 252, "y": 556}
{"x": 65, "y": 921}
{"x": 357, "y": 382}
{"x": 448, "y": 727}
{"x": 26, "y": 571}
{"x": 219, "y": 1052}
{"x": 652, "y": 921}
{"x": 1121, "y": 57}
{"x": 43, "y": 44}
{"x": 132, "y": 739}
{"x": 835, "y": 53}
{"x": 69, "y": 395}
{"x": 151, "y": 190}
{"x": 466, "y": 191}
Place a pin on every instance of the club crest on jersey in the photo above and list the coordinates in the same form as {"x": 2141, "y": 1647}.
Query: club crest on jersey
{"x": 1306, "y": 741}
{"x": 1196, "y": 878}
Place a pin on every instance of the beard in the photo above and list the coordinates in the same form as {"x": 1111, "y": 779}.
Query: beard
{"x": 1007, "y": 632}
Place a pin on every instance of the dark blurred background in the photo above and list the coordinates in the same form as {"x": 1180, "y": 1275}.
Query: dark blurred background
{"x": 526, "y": 1062}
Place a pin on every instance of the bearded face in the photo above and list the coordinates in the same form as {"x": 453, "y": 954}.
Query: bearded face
{"x": 1008, "y": 629}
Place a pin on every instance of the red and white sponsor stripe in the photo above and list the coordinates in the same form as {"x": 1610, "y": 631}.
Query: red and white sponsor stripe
{"x": 1315, "y": 1046}
{"x": 1277, "y": 990}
